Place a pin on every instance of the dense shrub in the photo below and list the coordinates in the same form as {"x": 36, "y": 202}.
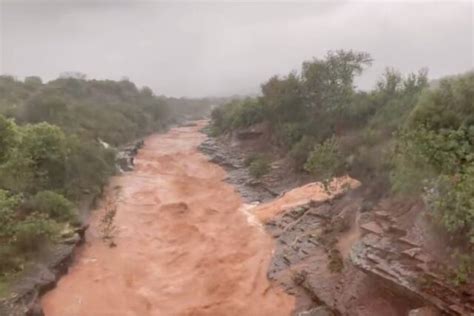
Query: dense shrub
{"x": 325, "y": 160}
{"x": 9, "y": 261}
{"x": 88, "y": 166}
{"x": 8, "y": 204}
{"x": 247, "y": 112}
{"x": 33, "y": 231}
{"x": 54, "y": 205}
{"x": 448, "y": 106}
{"x": 288, "y": 134}
{"x": 283, "y": 100}
{"x": 36, "y": 161}
{"x": 435, "y": 153}
{"x": 451, "y": 198}
{"x": 259, "y": 165}
{"x": 299, "y": 153}
{"x": 7, "y": 137}
{"x": 236, "y": 114}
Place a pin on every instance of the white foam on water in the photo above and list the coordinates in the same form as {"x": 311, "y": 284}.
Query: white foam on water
{"x": 247, "y": 208}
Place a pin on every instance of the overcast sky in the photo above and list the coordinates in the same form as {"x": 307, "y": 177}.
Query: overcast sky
{"x": 211, "y": 48}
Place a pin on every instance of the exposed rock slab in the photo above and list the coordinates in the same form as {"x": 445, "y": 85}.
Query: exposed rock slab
{"x": 401, "y": 259}
{"x": 233, "y": 162}
{"x": 306, "y": 238}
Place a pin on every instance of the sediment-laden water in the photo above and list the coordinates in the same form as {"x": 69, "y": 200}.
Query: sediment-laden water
{"x": 184, "y": 247}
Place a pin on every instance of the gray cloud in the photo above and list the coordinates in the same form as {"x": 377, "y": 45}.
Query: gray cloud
{"x": 205, "y": 48}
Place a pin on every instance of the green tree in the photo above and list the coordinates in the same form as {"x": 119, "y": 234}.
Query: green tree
{"x": 326, "y": 160}
{"x": 45, "y": 145}
{"x": 328, "y": 84}
{"x": 38, "y": 160}
{"x": 88, "y": 167}
{"x": 47, "y": 108}
{"x": 283, "y": 100}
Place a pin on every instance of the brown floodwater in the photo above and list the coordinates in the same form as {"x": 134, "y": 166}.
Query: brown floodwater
{"x": 184, "y": 244}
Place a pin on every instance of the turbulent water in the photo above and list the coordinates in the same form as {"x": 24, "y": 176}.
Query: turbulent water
{"x": 184, "y": 245}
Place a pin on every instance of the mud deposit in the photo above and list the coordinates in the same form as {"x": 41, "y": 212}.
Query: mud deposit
{"x": 184, "y": 245}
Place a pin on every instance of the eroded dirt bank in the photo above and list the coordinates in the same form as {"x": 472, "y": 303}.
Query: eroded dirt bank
{"x": 183, "y": 246}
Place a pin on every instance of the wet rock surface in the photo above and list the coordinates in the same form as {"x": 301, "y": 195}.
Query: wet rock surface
{"x": 388, "y": 270}
{"x": 399, "y": 254}
{"x": 233, "y": 162}
{"x": 309, "y": 264}
{"x": 125, "y": 156}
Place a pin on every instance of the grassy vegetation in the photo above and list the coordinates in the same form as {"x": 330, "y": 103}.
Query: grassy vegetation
{"x": 402, "y": 137}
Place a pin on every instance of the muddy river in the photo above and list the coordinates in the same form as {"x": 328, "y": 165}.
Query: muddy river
{"x": 183, "y": 244}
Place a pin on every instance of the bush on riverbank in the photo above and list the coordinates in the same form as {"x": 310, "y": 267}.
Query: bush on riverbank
{"x": 21, "y": 232}
{"x": 259, "y": 166}
{"x": 325, "y": 160}
{"x": 236, "y": 114}
{"x": 435, "y": 154}
{"x": 53, "y": 205}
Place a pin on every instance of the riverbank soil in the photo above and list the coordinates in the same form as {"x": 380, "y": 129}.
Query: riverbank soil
{"x": 182, "y": 245}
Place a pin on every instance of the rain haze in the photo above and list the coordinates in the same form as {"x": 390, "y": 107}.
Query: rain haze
{"x": 215, "y": 49}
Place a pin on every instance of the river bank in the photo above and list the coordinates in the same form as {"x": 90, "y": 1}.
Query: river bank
{"x": 53, "y": 261}
{"x": 352, "y": 252}
{"x": 188, "y": 244}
